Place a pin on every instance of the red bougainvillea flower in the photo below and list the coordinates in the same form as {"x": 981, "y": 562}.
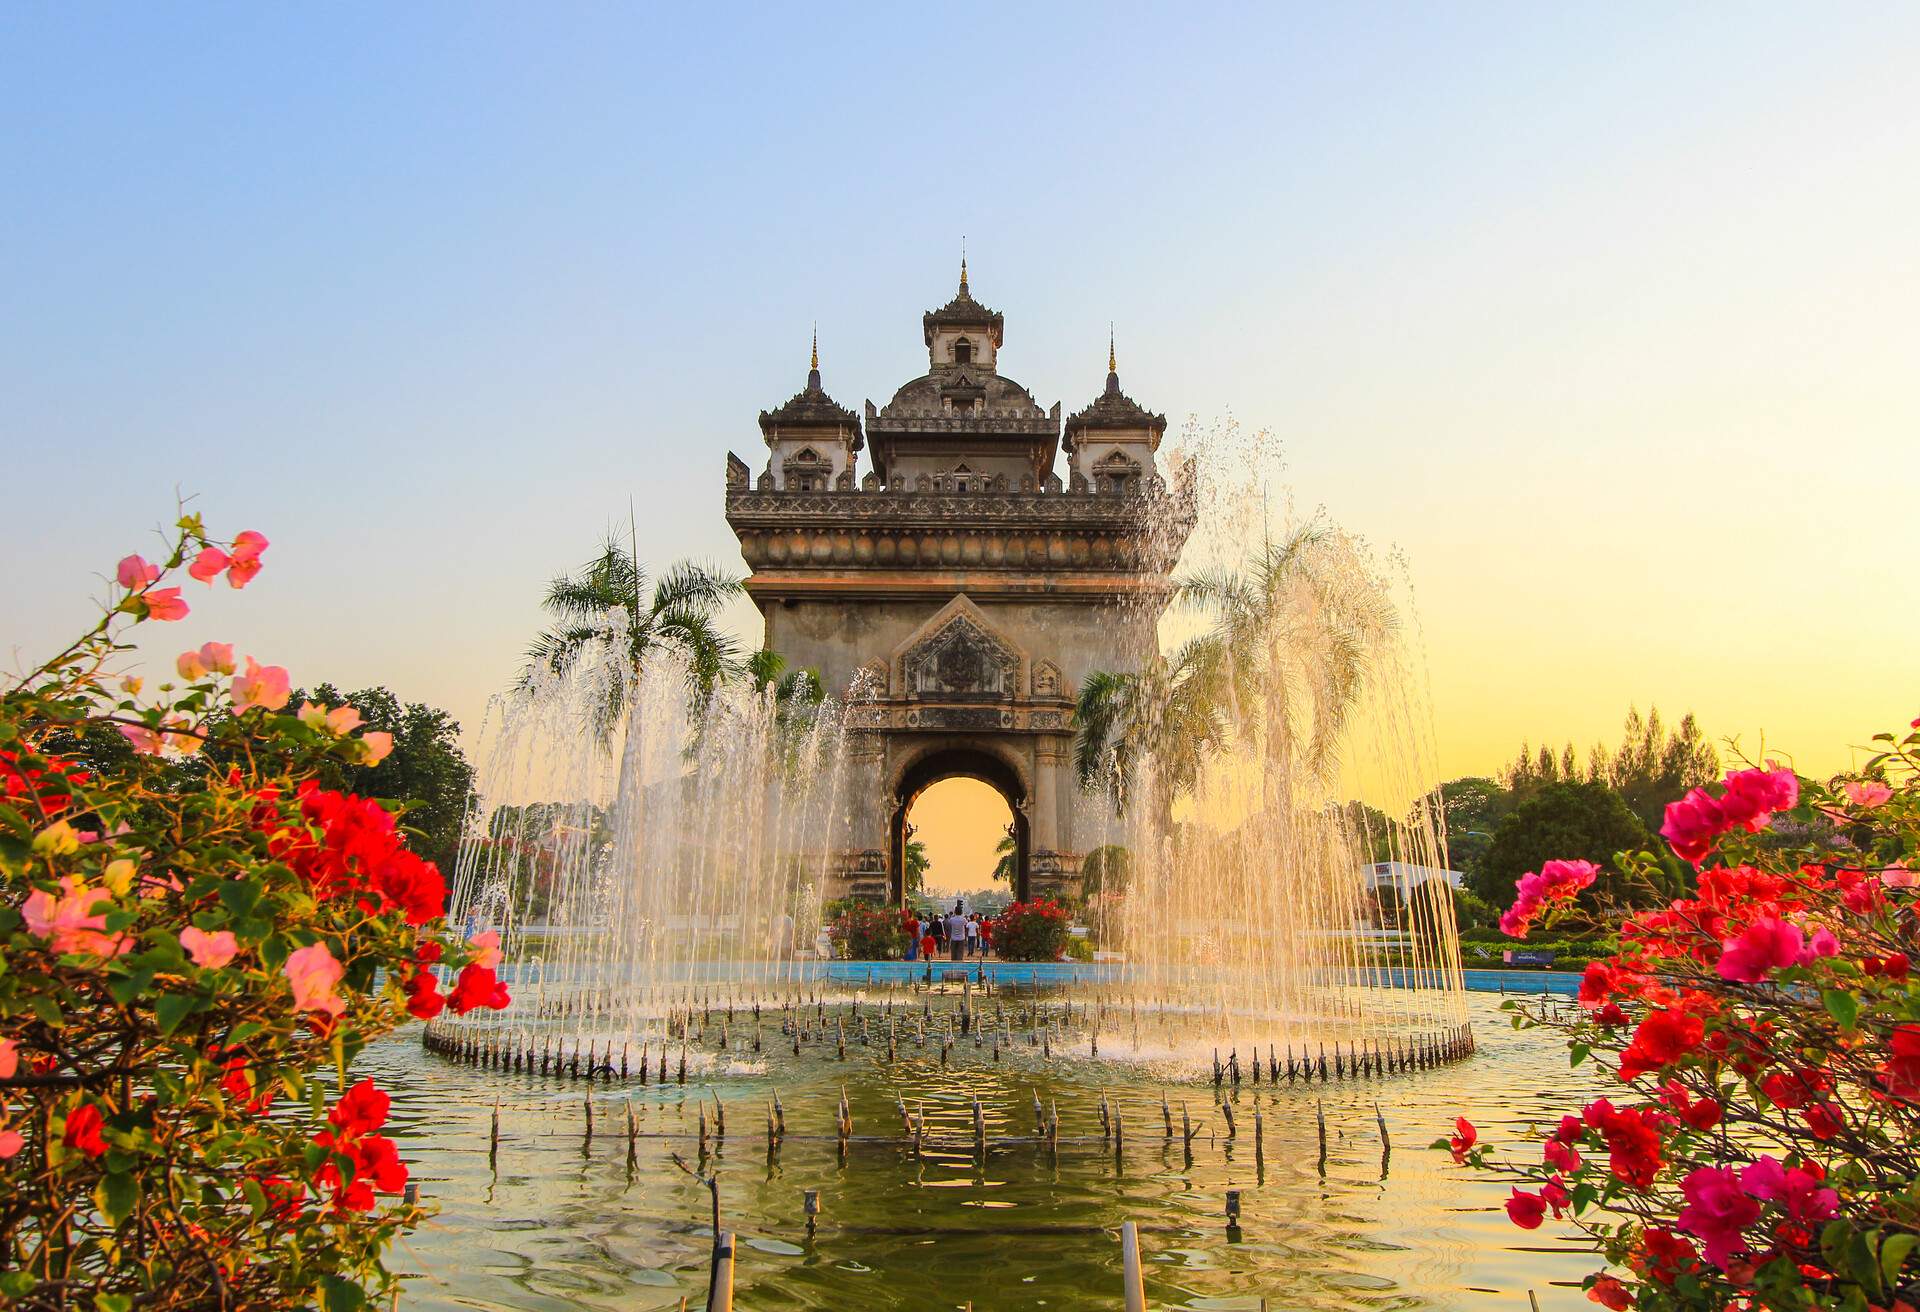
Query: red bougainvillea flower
{"x": 423, "y": 998}
{"x": 1632, "y": 1137}
{"x": 1664, "y": 1037}
{"x": 1901, "y": 1071}
{"x": 1702, "y": 1114}
{"x": 477, "y": 987}
{"x": 1666, "y": 1256}
{"x": 1610, "y": 1293}
{"x": 1463, "y": 1138}
{"x": 1526, "y": 1210}
{"x": 361, "y": 1110}
{"x": 1693, "y": 823}
{"x": 1554, "y": 1193}
{"x": 83, "y": 1130}
{"x": 1560, "y": 1156}
{"x": 376, "y": 1166}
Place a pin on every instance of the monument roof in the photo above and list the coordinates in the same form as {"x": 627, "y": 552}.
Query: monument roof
{"x": 997, "y": 397}
{"x": 964, "y": 312}
{"x": 810, "y": 407}
{"x": 1113, "y": 409}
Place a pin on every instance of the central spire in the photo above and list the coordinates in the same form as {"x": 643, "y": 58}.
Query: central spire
{"x": 963, "y": 266}
{"x": 813, "y": 368}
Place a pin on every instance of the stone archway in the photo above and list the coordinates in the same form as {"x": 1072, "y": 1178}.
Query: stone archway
{"x": 958, "y": 761}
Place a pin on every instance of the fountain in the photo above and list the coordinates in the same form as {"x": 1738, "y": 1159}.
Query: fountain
{"x": 659, "y": 872}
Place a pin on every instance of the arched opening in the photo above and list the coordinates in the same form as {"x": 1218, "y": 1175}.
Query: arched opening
{"x": 963, "y": 352}
{"x": 986, "y": 824}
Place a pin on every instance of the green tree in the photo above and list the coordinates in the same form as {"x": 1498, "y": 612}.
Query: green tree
{"x": 1371, "y": 830}
{"x": 1009, "y": 852}
{"x": 426, "y": 769}
{"x": 1106, "y": 870}
{"x": 917, "y": 866}
{"x": 1468, "y": 809}
{"x": 677, "y": 612}
{"x": 1571, "y": 821}
{"x": 1652, "y": 767}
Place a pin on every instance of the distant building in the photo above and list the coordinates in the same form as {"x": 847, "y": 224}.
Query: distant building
{"x": 1405, "y": 874}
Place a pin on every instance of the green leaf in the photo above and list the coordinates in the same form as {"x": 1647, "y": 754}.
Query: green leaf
{"x": 1893, "y": 1255}
{"x": 1861, "y": 1261}
{"x": 130, "y": 986}
{"x": 117, "y": 1196}
{"x": 1842, "y": 1006}
{"x": 239, "y": 895}
{"x": 172, "y": 1008}
{"x": 1578, "y": 1052}
{"x": 338, "y": 1294}
{"x": 15, "y": 822}
{"x": 113, "y": 1302}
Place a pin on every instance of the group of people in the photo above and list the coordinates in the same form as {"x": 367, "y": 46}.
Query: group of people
{"x": 959, "y": 934}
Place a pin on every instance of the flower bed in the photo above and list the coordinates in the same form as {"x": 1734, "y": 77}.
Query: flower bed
{"x": 1031, "y": 931}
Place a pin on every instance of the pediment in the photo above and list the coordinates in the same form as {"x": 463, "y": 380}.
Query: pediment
{"x": 959, "y": 655}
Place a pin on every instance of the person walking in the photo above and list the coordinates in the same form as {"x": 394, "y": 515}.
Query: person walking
{"x": 911, "y": 923}
{"x": 973, "y": 935}
{"x": 956, "y": 934}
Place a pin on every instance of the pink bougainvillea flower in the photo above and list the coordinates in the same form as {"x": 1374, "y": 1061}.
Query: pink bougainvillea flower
{"x": 1526, "y": 1210}
{"x": 1797, "y": 1189}
{"x": 1717, "y": 1211}
{"x": 265, "y": 686}
{"x": 209, "y": 950}
{"x": 245, "y": 559}
{"x": 143, "y": 740}
{"x": 165, "y": 604}
{"x": 1821, "y": 943}
{"x": 375, "y": 747}
{"x": 217, "y": 657}
{"x": 134, "y": 572}
{"x": 343, "y": 720}
{"x": 74, "y": 921}
{"x": 1868, "y": 793}
{"x": 1763, "y": 947}
{"x": 1753, "y": 796}
{"x": 486, "y": 946}
{"x": 191, "y": 666}
{"x": 1692, "y": 824}
{"x": 1898, "y": 876}
{"x": 314, "y": 973}
{"x": 9, "y": 1058}
{"x": 312, "y": 714}
{"x": 11, "y": 1142}
{"x": 207, "y": 565}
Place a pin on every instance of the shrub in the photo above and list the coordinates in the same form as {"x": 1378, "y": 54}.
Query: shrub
{"x": 198, "y": 941}
{"x": 1031, "y": 931}
{"x": 867, "y": 932}
{"x": 1764, "y": 1148}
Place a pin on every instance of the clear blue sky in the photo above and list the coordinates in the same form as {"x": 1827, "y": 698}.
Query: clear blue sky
{"x": 1607, "y": 315}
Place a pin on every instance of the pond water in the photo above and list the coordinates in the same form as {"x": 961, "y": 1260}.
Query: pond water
{"x": 557, "y": 1222}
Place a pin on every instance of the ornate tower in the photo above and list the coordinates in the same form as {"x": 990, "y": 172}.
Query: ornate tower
{"x": 960, "y": 593}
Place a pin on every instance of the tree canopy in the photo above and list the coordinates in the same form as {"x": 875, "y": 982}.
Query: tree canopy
{"x": 426, "y": 769}
{"x": 1567, "y": 821}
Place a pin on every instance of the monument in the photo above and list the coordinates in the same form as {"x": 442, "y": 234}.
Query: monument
{"x": 957, "y": 592}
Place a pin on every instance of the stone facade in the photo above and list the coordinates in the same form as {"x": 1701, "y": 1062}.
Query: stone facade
{"x": 959, "y": 592}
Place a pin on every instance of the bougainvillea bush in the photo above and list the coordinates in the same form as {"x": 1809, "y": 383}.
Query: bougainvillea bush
{"x": 197, "y": 942}
{"x": 1763, "y": 1149}
{"x": 869, "y": 933}
{"x": 1035, "y": 930}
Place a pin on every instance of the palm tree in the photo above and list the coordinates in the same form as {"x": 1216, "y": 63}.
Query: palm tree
{"x": 678, "y": 613}
{"x": 1289, "y": 652}
{"x": 796, "y": 696}
{"x": 1172, "y": 714}
{"x": 1008, "y": 851}
{"x": 917, "y": 866}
